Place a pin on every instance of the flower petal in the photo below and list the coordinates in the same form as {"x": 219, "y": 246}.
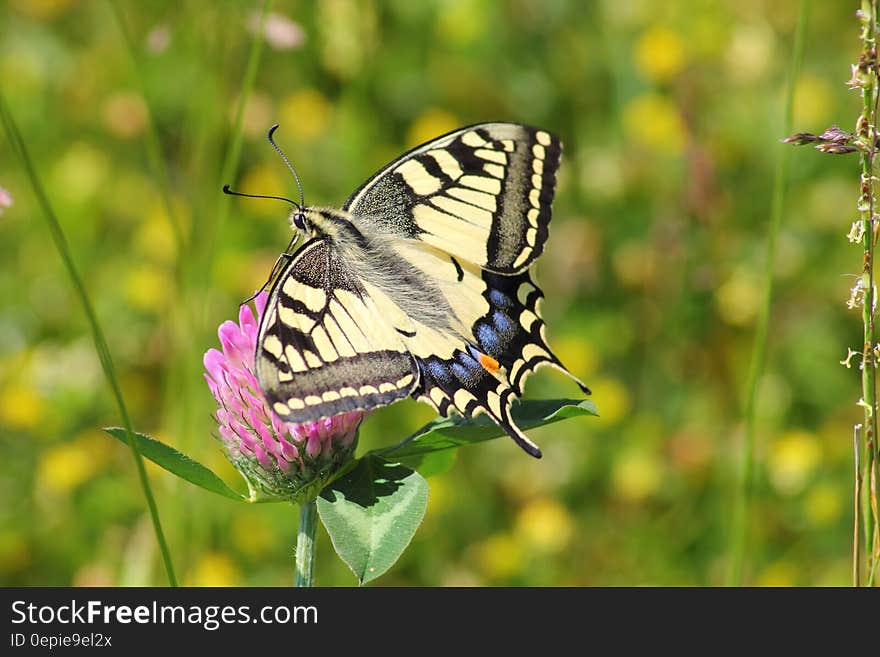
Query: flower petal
{"x": 260, "y": 304}
{"x": 235, "y": 344}
{"x": 248, "y": 323}
{"x": 216, "y": 364}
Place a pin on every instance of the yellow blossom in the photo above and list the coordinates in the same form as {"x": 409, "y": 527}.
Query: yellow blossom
{"x": 635, "y": 263}
{"x": 154, "y": 237}
{"x": 215, "y": 569}
{"x": 429, "y": 124}
{"x": 15, "y": 554}
{"x": 779, "y": 573}
{"x": 266, "y": 180}
{"x": 750, "y": 53}
{"x": 252, "y": 535}
{"x": 579, "y": 354}
{"x": 739, "y": 298}
{"x": 659, "y": 54}
{"x": 148, "y": 287}
{"x": 812, "y": 102}
{"x": 793, "y": 458}
{"x": 42, "y": 9}
{"x": 612, "y": 398}
{"x": 307, "y": 112}
{"x": 500, "y": 556}
{"x": 545, "y": 524}
{"x": 462, "y": 22}
{"x": 63, "y": 467}
{"x": 636, "y": 474}
{"x": 653, "y": 121}
{"x": 21, "y": 407}
{"x": 80, "y": 172}
{"x": 823, "y": 505}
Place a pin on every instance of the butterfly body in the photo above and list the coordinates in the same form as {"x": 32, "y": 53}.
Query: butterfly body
{"x": 419, "y": 286}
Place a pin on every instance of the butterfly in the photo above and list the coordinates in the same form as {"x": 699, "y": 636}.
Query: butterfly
{"x": 419, "y": 286}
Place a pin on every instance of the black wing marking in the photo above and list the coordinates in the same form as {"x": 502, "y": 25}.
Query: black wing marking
{"x": 488, "y": 375}
{"x": 482, "y": 193}
{"x": 323, "y": 349}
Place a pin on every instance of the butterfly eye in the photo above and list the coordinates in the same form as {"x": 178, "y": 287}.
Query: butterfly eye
{"x": 299, "y": 220}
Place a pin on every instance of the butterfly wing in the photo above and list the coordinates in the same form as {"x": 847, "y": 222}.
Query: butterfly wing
{"x": 481, "y": 193}
{"x": 498, "y": 340}
{"x": 323, "y": 347}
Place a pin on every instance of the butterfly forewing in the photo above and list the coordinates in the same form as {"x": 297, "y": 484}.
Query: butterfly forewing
{"x": 323, "y": 346}
{"x": 482, "y": 194}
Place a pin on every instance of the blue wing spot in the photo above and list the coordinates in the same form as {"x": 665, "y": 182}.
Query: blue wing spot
{"x": 467, "y": 369}
{"x": 487, "y": 337}
{"x": 461, "y": 372}
{"x": 467, "y": 360}
{"x": 498, "y": 298}
{"x": 502, "y": 322}
{"x": 438, "y": 371}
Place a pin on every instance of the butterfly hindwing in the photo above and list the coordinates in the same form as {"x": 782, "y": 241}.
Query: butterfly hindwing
{"x": 482, "y": 193}
{"x": 323, "y": 347}
{"x": 486, "y": 374}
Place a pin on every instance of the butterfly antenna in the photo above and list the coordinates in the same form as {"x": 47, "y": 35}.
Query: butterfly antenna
{"x": 302, "y": 200}
{"x": 227, "y": 190}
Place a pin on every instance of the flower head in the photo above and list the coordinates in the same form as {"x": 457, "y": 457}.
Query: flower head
{"x": 5, "y": 199}
{"x": 278, "y": 459}
{"x": 280, "y": 32}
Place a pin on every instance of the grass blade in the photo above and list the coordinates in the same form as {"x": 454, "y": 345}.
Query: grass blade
{"x": 152, "y": 143}
{"x": 744, "y": 490}
{"x": 101, "y": 347}
{"x": 233, "y": 152}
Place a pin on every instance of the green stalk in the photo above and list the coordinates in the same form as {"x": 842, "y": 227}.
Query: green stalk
{"x": 305, "y": 543}
{"x": 867, "y": 136}
{"x": 153, "y": 144}
{"x": 857, "y": 496}
{"x": 101, "y": 347}
{"x": 745, "y": 483}
{"x": 233, "y": 152}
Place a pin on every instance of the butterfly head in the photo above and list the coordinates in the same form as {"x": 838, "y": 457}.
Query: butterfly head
{"x": 298, "y": 219}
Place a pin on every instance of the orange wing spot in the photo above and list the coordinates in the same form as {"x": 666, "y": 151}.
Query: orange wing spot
{"x": 489, "y": 363}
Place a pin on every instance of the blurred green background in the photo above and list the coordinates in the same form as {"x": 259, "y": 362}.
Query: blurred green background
{"x": 670, "y": 113}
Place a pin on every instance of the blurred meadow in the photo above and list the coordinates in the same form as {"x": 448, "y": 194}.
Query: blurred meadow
{"x": 671, "y": 115}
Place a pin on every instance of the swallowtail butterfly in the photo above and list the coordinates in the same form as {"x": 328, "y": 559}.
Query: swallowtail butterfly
{"x": 420, "y": 285}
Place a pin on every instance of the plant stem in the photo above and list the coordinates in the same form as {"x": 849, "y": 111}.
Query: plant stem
{"x": 101, "y": 346}
{"x": 745, "y": 482}
{"x": 152, "y": 142}
{"x": 233, "y": 151}
{"x": 866, "y": 132}
{"x": 305, "y": 543}
{"x": 857, "y": 496}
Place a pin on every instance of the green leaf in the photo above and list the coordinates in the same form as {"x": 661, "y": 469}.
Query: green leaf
{"x": 455, "y": 431}
{"x": 372, "y": 513}
{"x": 177, "y": 463}
{"x": 433, "y": 464}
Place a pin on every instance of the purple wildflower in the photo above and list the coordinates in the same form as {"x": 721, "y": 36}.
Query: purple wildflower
{"x": 280, "y": 32}
{"x": 5, "y": 200}
{"x": 277, "y": 458}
